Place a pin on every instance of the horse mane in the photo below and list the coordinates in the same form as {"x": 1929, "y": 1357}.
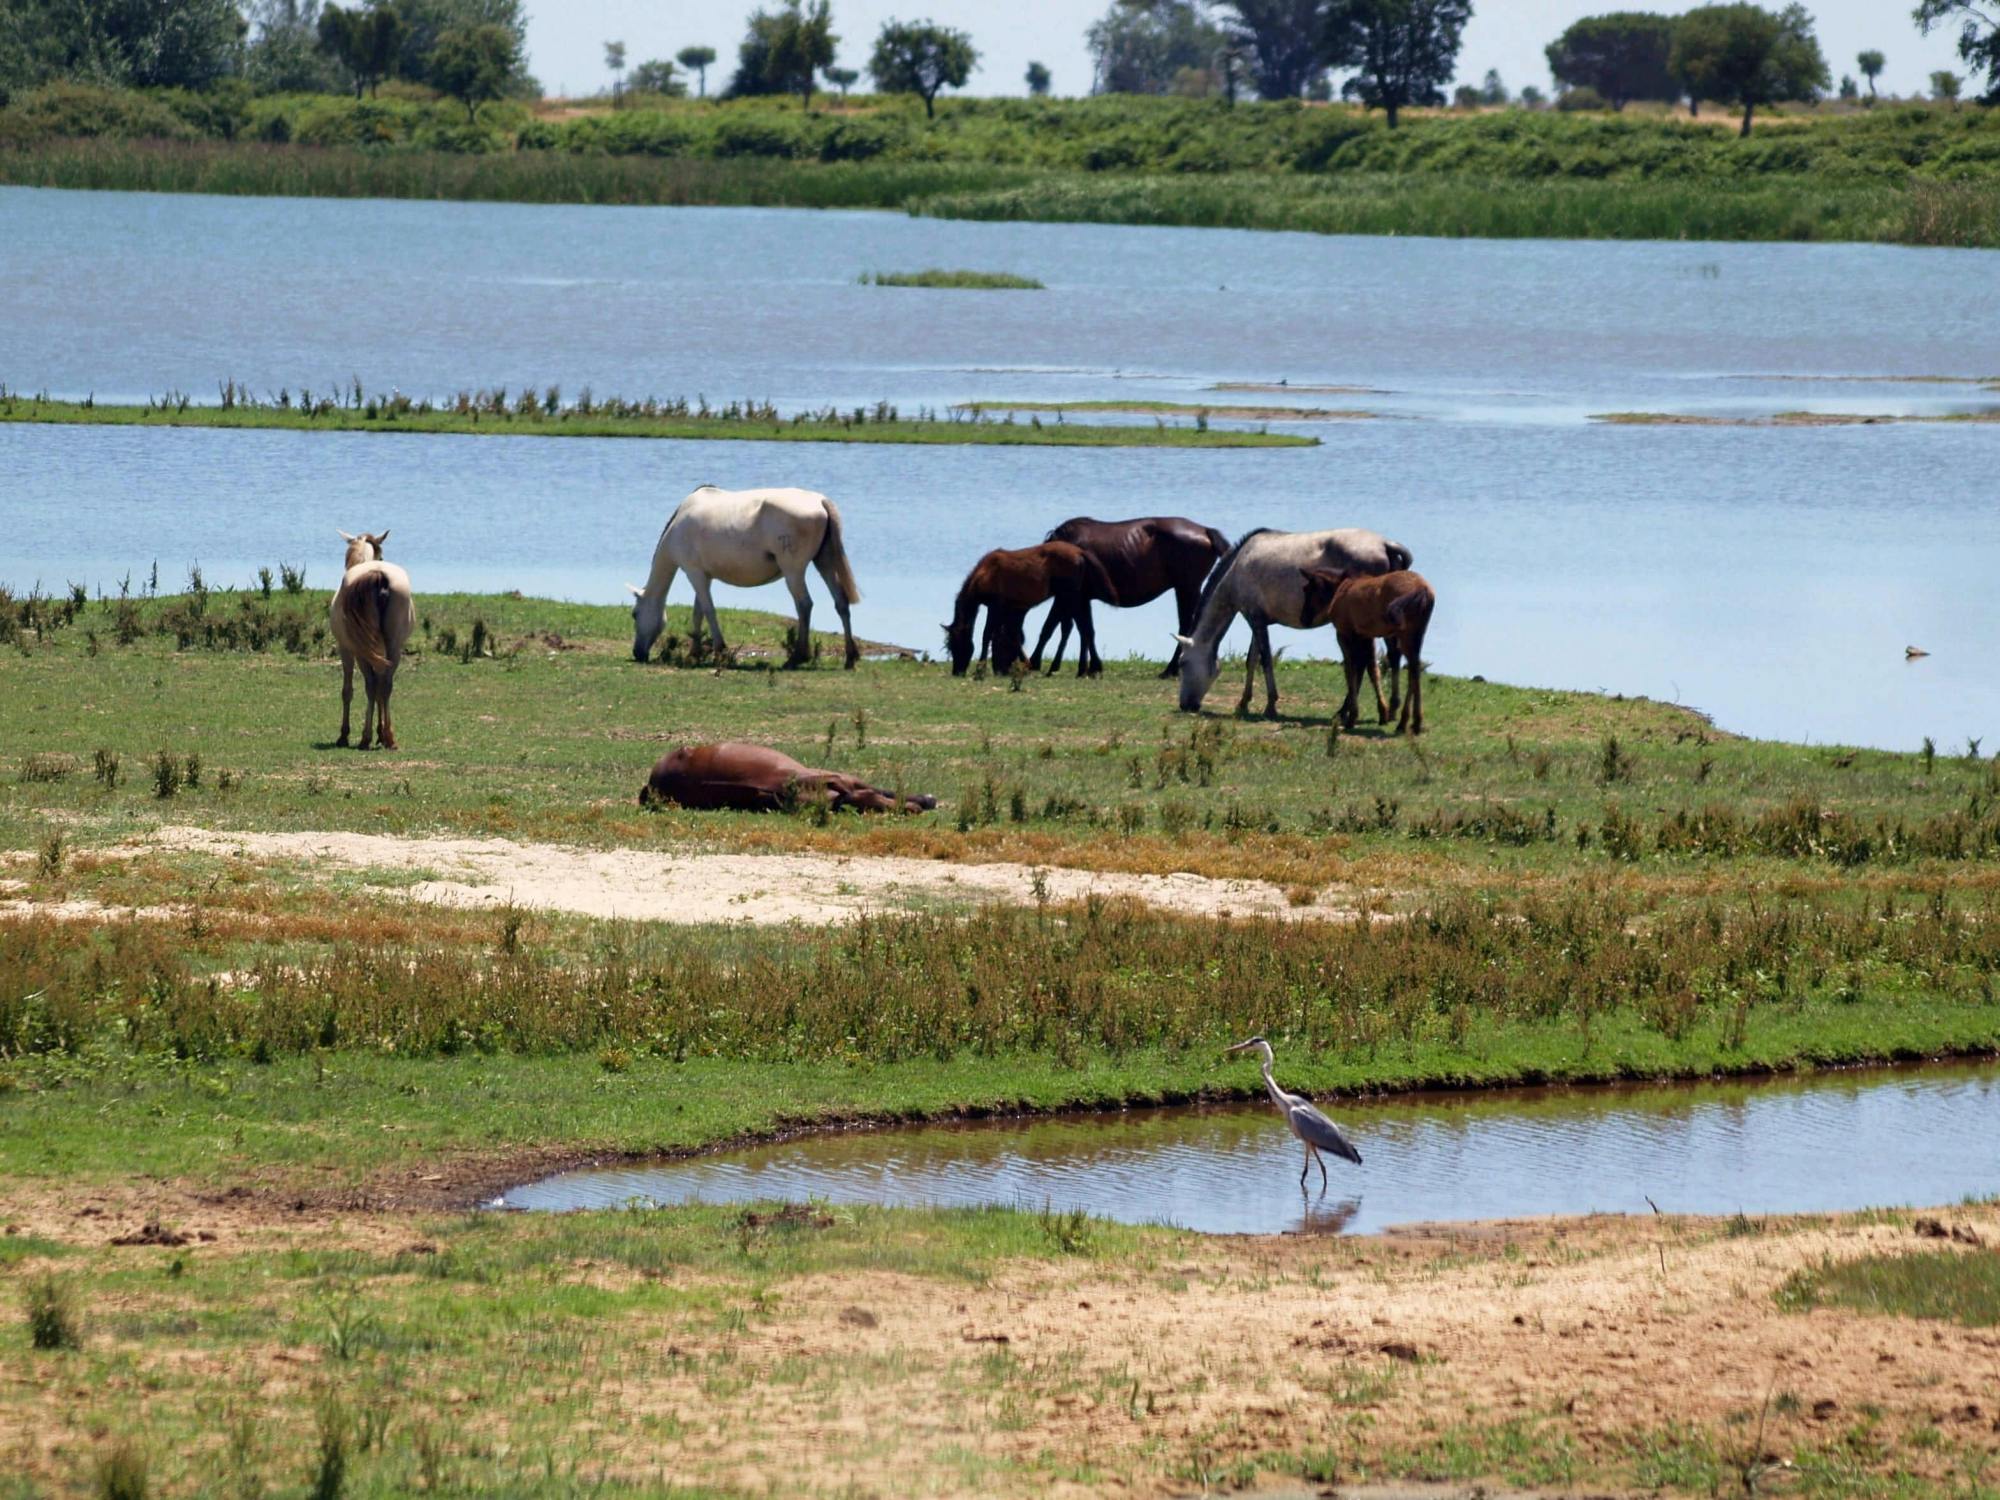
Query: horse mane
{"x": 1056, "y": 533}
{"x": 1222, "y": 566}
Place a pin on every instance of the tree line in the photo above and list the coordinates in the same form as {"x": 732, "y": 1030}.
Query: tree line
{"x": 1405, "y": 52}
{"x": 1397, "y": 53}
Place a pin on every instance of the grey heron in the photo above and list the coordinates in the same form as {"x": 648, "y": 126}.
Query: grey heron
{"x": 1315, "y": 1131}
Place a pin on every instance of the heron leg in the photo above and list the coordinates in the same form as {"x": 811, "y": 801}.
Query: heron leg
{"x": 1322, "y": 1166}
{"x": 1308, "y": 1165}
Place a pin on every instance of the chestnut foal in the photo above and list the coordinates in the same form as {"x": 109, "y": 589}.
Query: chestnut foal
{"x": 1363, "y": 608}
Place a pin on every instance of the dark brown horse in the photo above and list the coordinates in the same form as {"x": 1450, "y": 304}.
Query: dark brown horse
{"x": 1143, "y": 559}
{"x": 1009, "y": 583}
{"x": 1393, "y": 607}
{"x": 754, "y": 778}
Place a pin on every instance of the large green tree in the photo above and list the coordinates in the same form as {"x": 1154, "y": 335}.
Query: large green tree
{"x": 696, "y": 61}
{"x": 1403, "y": 51}
{"x": 1622, "y": 55}
{"x": 1282, "y": 39}
{"x": 365, "y": 40}
{"x": 1745, "y": 55}
{"x": 426, "y": 21}
{"x": 473, "y": 64}
{"x": 921, "y": 57}
{"x": 284, "y": 55}
{"x": 1147, "y": 46}
{"x": 783, "y": 50}
{"x": 1871, "y": 64}
{"x": 1978, "y": 24}
{"x": 123, "y": 43}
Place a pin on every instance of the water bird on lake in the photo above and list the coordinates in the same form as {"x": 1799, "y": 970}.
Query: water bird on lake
{"x": 1262, "y": 580}
{"x": 746, "y": 538}
{"x": 1314, "y": 1130}
{"x": 1911, "y": 653}
{"x": 1392, "y": 607}
{"x": 756, "y": 778}
{"x": 373, "y": 615}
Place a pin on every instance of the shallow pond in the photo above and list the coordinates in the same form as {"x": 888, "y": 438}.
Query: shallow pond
{"x": 1813, "y": 1144}
{"x": 1769, "y": 576}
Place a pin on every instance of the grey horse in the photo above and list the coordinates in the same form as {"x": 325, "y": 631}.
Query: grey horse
{"x": 1262, "y": 579}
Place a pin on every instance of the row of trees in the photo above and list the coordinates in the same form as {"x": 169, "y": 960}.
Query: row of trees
{"x": 786, "y": 51}
{"x": 1404, "y": 52}
{"x": 455, "y": 46}
{"x": 1739, "y": 54}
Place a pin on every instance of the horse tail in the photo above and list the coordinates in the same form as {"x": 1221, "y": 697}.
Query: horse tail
{"x": 1411, "y": 613}
{"x": 1096, "y": 577}
{"x": 365, "y": 604}
{"x": 1399, "y": 555}
{"x": 831, "y": 559}
{"x": 1217, "y": 541}
{"x": 1061, "y": 533}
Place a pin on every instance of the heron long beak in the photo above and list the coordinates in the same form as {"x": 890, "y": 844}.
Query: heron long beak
{"x": 1242, "y": 1046}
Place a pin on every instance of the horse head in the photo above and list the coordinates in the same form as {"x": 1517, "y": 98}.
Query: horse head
{"x": 1321, "y": 587}
{"x": 1197, "y": 672}
{"x": 649, "y": 618}
{"x": 958, "y": 642}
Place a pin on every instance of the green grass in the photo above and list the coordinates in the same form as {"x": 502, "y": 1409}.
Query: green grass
{"x": 489, "y": 415}
{"x": 1603, "y": 888}
{"x": 1959, "y": 1287}
{"x": 1913, "y": 174}
{"x": 1918, "y": 212}
{"x": 977, "y": 281}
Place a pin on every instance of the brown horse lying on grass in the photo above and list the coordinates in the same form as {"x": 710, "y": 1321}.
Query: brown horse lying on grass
{"x": 753, "y": 778}
{"x": 1009, "y": 583}
{"x": 1394, "y": 607}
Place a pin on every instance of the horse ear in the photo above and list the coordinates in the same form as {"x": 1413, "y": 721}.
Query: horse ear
{"x": 637, "y": 592}
{"x": 1181, "y": 638}
{"x": 346, "y": 538}
{"x": 379, "y": 538}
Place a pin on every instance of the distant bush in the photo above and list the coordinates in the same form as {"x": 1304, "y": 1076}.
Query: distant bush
{"x": 83, "y": 110}
{"x": 1581, "y": 97}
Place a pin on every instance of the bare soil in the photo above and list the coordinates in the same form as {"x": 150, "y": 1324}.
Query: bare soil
{"x": 685, "y": 886}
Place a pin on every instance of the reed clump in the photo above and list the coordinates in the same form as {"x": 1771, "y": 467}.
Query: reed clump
{"x": 979, "y": 281}
{"x": 1098, "y": 977}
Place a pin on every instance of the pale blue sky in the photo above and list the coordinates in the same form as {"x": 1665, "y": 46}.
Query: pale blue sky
{"x": 566, "y": 37}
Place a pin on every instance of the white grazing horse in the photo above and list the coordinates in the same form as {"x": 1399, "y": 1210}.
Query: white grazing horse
{"x": 1263, "y": 580}
{"x": 373, "y": 615}
{"x": 744, "y": 538}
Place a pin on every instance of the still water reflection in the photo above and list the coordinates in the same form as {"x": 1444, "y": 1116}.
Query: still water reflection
{"x": 1824, "y": 1143}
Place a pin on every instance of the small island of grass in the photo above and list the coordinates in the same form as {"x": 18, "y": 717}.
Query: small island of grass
{"x": 969, "y": 281}
{"x": 544, "y": 413}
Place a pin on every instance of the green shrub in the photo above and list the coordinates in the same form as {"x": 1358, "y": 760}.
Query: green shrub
{"x": 52, "y": 1314}
{"x": 86, "y": 110}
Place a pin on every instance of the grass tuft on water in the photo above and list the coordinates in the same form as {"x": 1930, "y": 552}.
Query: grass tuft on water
{"x": 974, "y": 281}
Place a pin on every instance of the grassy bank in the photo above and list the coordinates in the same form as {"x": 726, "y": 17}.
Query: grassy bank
{"x": 533, "y": 413}
{"x": 1905, "y": 174}
{"x": 244, "y": 1099}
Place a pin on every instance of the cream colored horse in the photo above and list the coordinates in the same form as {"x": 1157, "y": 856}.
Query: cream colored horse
{"x": 746, "y": 538}
{"x": 373, "y": 615}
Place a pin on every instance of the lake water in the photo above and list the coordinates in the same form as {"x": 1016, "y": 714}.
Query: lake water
{"x": 1769, "y": 1146}
{"x": 1769, "y": 577}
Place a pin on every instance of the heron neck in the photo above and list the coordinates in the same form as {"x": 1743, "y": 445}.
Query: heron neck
{"x": 1277, "y": 1094}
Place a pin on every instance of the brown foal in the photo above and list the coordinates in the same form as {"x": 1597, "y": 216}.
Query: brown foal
{"x": 1363, "y": 608}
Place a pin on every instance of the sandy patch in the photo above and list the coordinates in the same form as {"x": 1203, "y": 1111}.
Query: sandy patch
{"x": 691, "y": 887}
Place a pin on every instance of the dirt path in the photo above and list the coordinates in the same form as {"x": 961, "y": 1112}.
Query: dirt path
{"x": 691, "y": 887}
{"x": 1530, "y": 1350}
